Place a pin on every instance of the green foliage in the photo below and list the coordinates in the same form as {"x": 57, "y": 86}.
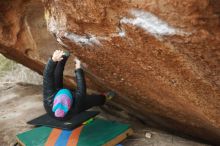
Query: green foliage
{"x": 6, "y": 64}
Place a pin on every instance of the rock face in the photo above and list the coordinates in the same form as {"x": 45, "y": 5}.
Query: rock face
{"x": 162, "y": 57}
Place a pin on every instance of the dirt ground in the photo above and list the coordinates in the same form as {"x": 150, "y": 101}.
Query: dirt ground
{"x": 22, "y": 102}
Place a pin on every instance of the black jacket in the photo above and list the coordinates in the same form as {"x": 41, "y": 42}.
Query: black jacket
{"x": 49, "y": 90}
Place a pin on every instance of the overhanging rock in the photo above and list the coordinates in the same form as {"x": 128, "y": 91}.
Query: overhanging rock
{"x": 162, "y": 57}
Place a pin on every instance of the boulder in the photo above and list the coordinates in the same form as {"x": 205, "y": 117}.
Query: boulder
{"x": 161, "y": 57}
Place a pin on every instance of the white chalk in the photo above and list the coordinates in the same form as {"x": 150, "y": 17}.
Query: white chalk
{"x": 122, "y": 33}
{"x": 82, "y": 40}
{"x": 150, "y": 23}
{"x": 52, "y": 25}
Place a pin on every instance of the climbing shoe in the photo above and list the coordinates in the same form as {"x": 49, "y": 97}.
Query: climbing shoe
{"x": 109, "y": 95}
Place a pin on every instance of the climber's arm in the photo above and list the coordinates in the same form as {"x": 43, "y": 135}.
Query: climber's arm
{"x": 48, "y": 74}
{"x": 81, "y": 85}
{"x": 48, "y": 78}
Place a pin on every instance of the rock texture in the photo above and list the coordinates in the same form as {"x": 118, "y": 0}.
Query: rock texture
{"x": 162, "y": 57}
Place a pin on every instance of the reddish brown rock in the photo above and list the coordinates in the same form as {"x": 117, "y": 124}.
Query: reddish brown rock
{"x": 162, "y": 57}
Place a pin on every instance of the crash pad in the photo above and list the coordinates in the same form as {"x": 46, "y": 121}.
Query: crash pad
{"x": 96, "y": 133}
{"x": 46, "y": 120}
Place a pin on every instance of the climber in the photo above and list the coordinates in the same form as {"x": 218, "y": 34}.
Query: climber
{"x": 62, "y": 103}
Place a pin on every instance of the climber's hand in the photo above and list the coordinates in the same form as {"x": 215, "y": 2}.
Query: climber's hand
{"x": 78, "y": 63}
{"x": 57, "y": 55}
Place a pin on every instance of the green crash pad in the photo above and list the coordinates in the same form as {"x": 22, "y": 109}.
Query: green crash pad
{"x": 96, "y": 133}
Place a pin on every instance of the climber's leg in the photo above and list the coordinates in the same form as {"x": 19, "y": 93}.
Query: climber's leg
{"x": 93, "y": 100}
